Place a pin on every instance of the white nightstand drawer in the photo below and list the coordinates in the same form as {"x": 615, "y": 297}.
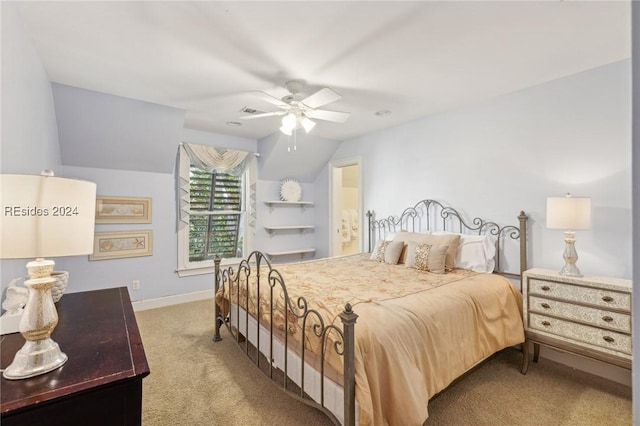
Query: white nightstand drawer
{"x": 586, "y": 295}
{"x": 603, "y": 338}
{"x": 591, "y": 316}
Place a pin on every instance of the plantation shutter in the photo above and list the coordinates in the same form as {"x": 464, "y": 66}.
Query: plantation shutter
{"x": 216, "y": 208}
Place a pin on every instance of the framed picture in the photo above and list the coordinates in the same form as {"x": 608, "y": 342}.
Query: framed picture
{"x": 123, "y": 209}
{"x": 119, "y": 244}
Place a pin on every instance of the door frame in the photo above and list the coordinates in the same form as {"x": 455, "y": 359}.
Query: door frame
{"x": 345, "y": 162}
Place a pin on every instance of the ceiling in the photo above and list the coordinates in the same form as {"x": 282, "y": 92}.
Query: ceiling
{"x": 411, "y": 58}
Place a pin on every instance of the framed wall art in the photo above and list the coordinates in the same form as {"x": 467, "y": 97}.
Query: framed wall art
{"x": 121, "y": 244}
{"x": 123, "y": 209}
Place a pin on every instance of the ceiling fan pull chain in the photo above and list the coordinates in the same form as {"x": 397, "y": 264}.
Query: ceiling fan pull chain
{"x": 295, "y": 139}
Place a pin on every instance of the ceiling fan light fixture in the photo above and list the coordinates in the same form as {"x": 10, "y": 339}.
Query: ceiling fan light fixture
{"x": 307, "y": 124}
{"x": 299, "y": 110}
{"x": 289, "y": 121}
{"x": 286, "y": 130}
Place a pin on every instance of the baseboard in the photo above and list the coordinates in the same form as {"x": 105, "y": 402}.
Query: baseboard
{"x": 143, "y": 305}
{"x": 591, "y": 366}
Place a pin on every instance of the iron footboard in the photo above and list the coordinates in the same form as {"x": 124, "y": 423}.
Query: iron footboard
{"x": 230, "y": 285}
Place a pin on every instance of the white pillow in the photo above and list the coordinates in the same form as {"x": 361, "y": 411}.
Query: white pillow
{"x": 475, "y": 252}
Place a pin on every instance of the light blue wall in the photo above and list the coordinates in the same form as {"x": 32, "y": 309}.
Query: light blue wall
{"x": 496, "y": 158}
{"x": 279, "y": 160}
{"x": 29, "y": 132}
{"x": 112, "y": 132}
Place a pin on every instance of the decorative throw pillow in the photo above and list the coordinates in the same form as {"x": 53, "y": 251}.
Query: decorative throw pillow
{"x": 405, "y": 237}
{"x": 387, "y": 251}
{"x": 449, "y": 240}
{"x": 426, "y": 257}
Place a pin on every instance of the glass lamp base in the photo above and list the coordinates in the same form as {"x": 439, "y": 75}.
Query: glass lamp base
{"x": 570, "y": 270}
{"x": 570, "y": 256}
{"x": 35, "y": 358}
{"x": 40, "y": 354}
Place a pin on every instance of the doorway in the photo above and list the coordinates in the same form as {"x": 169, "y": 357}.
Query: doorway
{"x": 346, "y": 208}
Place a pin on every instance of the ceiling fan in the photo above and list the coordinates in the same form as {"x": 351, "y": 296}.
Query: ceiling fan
{"x": 299, "y": 110}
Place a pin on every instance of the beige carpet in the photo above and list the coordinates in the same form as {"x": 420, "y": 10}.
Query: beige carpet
{"x": 195, "y": 381}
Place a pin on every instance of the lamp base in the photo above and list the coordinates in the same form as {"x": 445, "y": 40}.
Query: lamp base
{"x": 570, "y": 270}
{"x": 39, "y": 354}
{"x": 34, "y": 358}
{"x": 570, "y": 256}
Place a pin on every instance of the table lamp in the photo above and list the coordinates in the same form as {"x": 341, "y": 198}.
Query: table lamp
{"x": 571, "y": 214}
{"x": 43, "y": 216}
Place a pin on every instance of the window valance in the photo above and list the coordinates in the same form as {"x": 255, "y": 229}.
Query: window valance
{"x": 210, "y": 159}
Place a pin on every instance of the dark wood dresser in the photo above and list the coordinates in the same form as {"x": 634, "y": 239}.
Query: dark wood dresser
{"x": 100, "y": 384}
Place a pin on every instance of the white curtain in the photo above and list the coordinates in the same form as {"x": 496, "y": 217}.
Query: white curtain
{"x": 211, "y": 159}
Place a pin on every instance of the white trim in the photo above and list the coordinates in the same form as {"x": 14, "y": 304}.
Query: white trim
{"x": 160, "y": 302}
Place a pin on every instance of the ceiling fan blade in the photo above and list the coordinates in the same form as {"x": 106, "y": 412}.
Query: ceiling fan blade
{"x": 321, "y": 97}
{"x": 264, "y": 114}
{"x": 272, "y": 100}
{"x": 323, "y": 114}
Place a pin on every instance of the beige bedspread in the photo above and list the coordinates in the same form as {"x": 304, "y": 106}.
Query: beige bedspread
{"x": 416, "y": 331}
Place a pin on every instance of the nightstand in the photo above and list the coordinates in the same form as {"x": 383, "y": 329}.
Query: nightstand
{"x": 587, "y": 316}
{"x": 100, "y": 385}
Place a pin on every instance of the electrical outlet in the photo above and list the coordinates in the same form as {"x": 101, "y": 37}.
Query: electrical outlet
{"x": 136, "y": 284}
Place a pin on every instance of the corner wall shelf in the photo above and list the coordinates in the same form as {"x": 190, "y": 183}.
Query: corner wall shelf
{"x": 302, "y": 228}
{"x": 301, "y": 251}
{"x": 274, "y": 203}
{"x": 284, "y": 228}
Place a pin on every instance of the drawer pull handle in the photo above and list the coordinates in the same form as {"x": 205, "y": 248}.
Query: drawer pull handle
{"x": 545, "y": 288}
{"x": 545, "y": 305}
{"x": 607, "y": 298}
{"x": 607, "y": 318}
{"x": 609, "y": 339}
{"x": 546, "y": 323}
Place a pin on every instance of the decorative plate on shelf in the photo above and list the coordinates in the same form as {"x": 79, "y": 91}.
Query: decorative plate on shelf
{"x": 290, "y": 190}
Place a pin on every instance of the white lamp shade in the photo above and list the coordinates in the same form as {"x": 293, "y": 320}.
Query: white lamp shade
{"x": 286, "y": 130}
{"x": 46, "y": 216}
{"x": 569, "y": 213}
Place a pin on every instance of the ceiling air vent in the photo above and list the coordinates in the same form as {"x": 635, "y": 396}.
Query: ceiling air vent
{"x": 248, "y": 110}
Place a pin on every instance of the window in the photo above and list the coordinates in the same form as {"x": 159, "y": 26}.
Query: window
{"x": 216, "y": 216}
{"x": 216, "y": 209}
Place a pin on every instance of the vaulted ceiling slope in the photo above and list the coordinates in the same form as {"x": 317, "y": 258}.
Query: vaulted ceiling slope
{"x": 411, "y": 58}
{"x": 113, "y": 132}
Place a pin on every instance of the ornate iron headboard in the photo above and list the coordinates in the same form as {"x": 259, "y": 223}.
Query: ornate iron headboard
{"x": 432, "y": 215}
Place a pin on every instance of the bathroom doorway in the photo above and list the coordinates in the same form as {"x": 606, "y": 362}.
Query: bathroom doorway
{"x": 346, "y": 208}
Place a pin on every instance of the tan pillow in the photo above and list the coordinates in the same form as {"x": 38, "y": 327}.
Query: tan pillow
{"x": 451, "y": 241}
{"x": 426, "y": 257}
{"x": 405, "y": 237}
{"x": 387, "y": 251}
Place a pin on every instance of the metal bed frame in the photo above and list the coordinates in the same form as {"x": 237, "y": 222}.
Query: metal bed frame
{"x": 426, "y": 215}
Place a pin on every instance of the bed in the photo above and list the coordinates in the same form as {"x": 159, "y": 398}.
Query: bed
{"x": 370, "y": 338}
